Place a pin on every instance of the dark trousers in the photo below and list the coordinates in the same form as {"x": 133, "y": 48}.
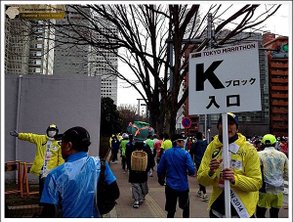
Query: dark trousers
{"x": 123, "y": 162}
{"x": 114, "y": 155}
{"x": 261, "y": 212}
{"x": 41, "y": 186}
{"x": 202, "y": 188}
{"x": 171, "y": 202}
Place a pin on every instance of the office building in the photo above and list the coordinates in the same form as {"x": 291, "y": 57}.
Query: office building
{"x": 85, "y": 59}
{"x": 29, "y": 47}
{"x": 277, "y": 53}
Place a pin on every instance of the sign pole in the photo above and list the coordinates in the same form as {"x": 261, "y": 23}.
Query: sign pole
{"x": 226, "y": 161}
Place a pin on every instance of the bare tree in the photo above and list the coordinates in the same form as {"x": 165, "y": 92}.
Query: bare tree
{"x": 127, "y": 114}
{"x": 144, "y": 36}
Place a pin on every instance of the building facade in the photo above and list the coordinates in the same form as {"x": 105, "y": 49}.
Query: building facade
{"x": 29, "y": 47}
{"x": 39, "y": 47}
{"x": 84, "y": 59}
{"x": 277, "y": 54}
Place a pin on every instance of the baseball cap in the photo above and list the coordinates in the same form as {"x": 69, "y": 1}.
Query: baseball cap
{"x": 78, "y": 135}
{"x": 231, "y": 118}
{"x": 176, "y": 137}
{"x": 269, "y": 139}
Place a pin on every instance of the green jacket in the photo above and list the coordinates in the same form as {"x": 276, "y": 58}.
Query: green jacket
{"x": 40, "y": 141}
{"x": 123, "y": 146}
{"x": 246, "y": 165}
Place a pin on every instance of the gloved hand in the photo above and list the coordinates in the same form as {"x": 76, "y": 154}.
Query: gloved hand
{"x": 14, "y": 133}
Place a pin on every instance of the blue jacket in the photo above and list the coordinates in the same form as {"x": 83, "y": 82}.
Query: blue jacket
{"x": 73, "y": 185}
{"x": 176, "y": 164}
{"x": 199, "y": 148}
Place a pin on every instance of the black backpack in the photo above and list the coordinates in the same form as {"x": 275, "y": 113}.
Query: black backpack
{"x": 107, "y": 194}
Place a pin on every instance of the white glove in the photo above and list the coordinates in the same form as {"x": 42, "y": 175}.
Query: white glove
{"x": 14, "y": 133}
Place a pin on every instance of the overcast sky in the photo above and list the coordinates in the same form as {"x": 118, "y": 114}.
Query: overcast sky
{"x": 280, "y": 24}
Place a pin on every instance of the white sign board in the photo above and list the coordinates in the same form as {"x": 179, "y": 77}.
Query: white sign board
{"x": 225, "y": 80}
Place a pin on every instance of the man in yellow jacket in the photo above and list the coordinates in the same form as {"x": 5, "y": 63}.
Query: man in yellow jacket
{"x": 244, "y": 174}
{"x": 48, "y": 152}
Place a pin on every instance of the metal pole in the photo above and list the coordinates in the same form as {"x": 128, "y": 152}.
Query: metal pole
{"x": 209, "y": 36}
{"x": 209, "y": 30}
{"x": 205, "y": 125}
{"x": 20, "y": 77}
{"x": 208, "y": 136}
{"x": 138, "y": 107}
{"x": 226, "y": 161}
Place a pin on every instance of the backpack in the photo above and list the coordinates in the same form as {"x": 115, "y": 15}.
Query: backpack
{"x": 106, "y": 193}
{"x": 139, "y": 160}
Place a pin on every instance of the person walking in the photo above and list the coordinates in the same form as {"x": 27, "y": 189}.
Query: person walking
{"x": 115, "y": 144}
{"x": 284, "y": 145}
{"x": 150, "y": 142}
{"x": 188, "y": 144}
{"x": 244, "y": 174}
{"x": 48, "y": 152}
{"x": 70, "y": 189}
{"x": 199, "y": 149}
{"x": 128, "y": 151}
{"x": 166, "y": 144}
{"x": 139, "y": 179}
{"x": 123, "y": 143}
{"x": 157, "y": 147}
{"x": 173, "y": 168}
{"x": 274, "y": 165}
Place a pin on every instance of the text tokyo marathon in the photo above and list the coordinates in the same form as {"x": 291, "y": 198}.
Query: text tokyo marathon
{"x": 230, "y": 49}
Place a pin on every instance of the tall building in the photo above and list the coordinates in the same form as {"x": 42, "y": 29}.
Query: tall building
{"x": 70, "y": 58}
{"x": 104, "y": 63}
{"x": 29, "y": 47}
{"x": 16, "y": 46}
{"x": 84, "y": 59}
{"x": 278, "y": 83}
{"x": 37, "y": 47}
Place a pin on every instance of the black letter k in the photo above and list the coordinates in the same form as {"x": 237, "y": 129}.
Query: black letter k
{"x": 209, "y": 74}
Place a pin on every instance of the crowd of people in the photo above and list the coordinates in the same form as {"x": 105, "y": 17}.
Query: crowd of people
{"x": 69, "y": 176}
{"x": 252, "y": 187}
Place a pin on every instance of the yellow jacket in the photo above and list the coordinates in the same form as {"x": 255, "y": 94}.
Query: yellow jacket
{"x": 246, "y": 166}
{"x": 40, "y": 141}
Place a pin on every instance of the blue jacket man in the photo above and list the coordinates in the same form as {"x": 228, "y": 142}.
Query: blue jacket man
{"x": 70, "y": 189}
{"x": 174, "y": 167}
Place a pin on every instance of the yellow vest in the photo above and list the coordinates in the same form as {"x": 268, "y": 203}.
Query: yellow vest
{"x": 246, "y": 165}
{"x": 40, "y": 141}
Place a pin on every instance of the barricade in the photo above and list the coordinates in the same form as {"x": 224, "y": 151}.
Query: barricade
{"x": 26, "y": 169}
{"x": 15, "y": 165}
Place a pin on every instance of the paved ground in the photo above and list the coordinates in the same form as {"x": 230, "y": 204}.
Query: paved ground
{"x": 153, "y": 207}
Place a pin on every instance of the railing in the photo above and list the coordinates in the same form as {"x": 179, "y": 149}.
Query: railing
{"x": 22, "y": 182}
{"x": 15, "y": 166}
{"x": 26, "y": 169}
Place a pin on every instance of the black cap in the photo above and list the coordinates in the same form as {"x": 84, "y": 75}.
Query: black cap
{"x": 177, "y": 137}
{"x": 231, "y": 118}
{"x": 79, "y": 137}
